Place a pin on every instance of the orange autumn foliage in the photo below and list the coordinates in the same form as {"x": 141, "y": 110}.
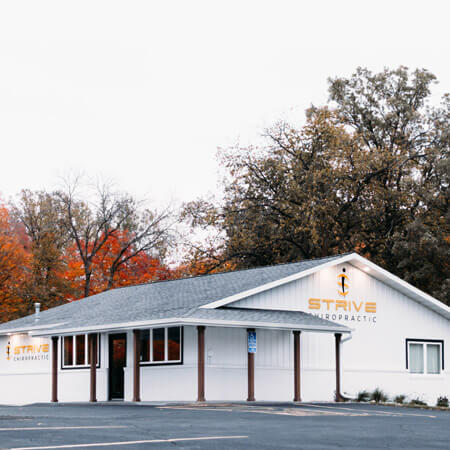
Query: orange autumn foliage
{"x": 201, "y": 266}
{"x": 141, "y": 268}
{"x": 14, "y": 262}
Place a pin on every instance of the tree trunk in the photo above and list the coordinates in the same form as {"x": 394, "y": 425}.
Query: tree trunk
{"x": 87, "y": 283}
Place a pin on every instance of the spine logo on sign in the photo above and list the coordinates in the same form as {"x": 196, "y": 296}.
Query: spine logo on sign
{"x": 343, "y": 286}
{"x": 344, "y": 309}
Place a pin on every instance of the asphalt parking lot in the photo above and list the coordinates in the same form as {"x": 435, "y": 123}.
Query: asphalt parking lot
{"x": 220, "y": 426}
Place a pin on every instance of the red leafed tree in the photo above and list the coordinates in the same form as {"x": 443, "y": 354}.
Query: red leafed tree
{"x": 135, "y": 268}
{"x": 110, "y": 233}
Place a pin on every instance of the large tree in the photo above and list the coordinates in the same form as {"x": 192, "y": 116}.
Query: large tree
{"x": 112, "y": 223}
{"x": 14, "y": 261}
{"x": 46, "y": 282}
{"x": 369, "y": 172}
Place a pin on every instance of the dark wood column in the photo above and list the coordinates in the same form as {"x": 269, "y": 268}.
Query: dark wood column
{"x": 338, "y": 337}
{"x": 297, "y": 378}
{"x": 250, "y": 372}
{"x": 136, "y": 366}
{"x": 93, "y": 366}
{"x": 54, "y": 368}
{"x": 201, "y": 363}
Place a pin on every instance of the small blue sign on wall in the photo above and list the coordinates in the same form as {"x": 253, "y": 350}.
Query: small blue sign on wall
{"x": 252, "y": 341}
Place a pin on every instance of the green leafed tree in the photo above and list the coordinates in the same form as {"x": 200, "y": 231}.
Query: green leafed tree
{"x": 368, "y": 172}
{"x": 40, "y": 214}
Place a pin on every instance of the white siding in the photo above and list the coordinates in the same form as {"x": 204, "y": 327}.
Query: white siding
{"x": 167, "y": 382}
{"x": 376, "y": 355}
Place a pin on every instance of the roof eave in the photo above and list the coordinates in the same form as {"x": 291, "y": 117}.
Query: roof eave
{"x": 193, "y": 321}
{"x": 400, "y": 285}
{"x": 28, "y": 329}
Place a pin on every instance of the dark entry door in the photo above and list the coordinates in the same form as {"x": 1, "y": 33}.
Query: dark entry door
{"x": 117, "y": 362}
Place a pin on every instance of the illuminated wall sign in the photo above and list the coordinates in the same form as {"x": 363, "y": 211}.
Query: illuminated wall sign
{"x": 30, "y": 352}
{"x": 342, "y": 305}
{"x": 343, "y": 309}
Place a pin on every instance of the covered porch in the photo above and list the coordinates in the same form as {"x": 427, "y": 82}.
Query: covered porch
{"x": 221, "y": 349}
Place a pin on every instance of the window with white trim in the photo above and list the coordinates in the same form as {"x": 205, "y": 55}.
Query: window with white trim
{"x": 75, "y": 351}
{"x": 161, "y": 345}
{"x": 424, "y": 356}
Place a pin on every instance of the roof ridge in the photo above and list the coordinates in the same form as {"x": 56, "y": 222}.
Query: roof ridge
{"x": 231, "y": 271}
{"x": 240, "y": 308}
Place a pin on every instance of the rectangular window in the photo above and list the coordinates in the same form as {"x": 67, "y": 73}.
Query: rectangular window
{"x": 68, "y": 350}
{"x": 81, "y": 349}
{"x": 424, "y": 356}
{"x": 145, "y": 345}
{"x": 173, "y": 343}
{"x": 416, "y": 358}
{"x": 76, "y": 352}
{"x": 158, "y": 344}
{"x": 433, "y": 357}
{"x": 161, "y": 345}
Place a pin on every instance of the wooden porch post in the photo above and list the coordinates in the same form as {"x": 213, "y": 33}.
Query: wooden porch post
{"x": 136, "y": 366}
{"x": 93, "y": 366}
{"x": 250, "y": 371}
{"x": 55, "y": 368}
{"x": 338, "y": 337}
{"x": 297, "y": 389}
{"x": 201, "y": 363}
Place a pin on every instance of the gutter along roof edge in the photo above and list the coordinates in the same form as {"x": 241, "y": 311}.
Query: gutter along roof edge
{"x": 332, "y": 328}
{"x": 26, "y": 330}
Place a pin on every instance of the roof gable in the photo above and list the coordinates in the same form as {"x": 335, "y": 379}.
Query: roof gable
{"x": 358, "y": 261}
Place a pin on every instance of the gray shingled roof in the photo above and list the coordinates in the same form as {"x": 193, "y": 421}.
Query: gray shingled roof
{"x": 174, "y": 299}
{"x": 262, "y": 315}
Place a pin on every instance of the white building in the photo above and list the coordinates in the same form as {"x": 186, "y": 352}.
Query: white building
{"x": 288, "y": 332}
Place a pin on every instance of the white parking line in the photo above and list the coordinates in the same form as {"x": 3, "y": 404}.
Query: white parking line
{"x": 87, "y": 427}
{"x": 196, "y": 408}
{"x": 302, "y": 412}
{"x": 148, "y": 441}
{"x": 320, "y": 409}
{"x": 389, "y": 413}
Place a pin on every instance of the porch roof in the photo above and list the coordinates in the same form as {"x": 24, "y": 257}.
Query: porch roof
{"x": 220, "y": 317}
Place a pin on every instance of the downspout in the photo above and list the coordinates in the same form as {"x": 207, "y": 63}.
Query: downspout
{"x": 347, "y": 338}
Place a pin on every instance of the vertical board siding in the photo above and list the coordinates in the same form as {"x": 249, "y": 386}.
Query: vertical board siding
{"x": 376, "y": 347}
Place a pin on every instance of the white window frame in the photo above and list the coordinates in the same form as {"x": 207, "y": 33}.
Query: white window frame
{"x": 74, "y": 352}
{"x": 425, "y": 343}
{"x": 166, "y": 348}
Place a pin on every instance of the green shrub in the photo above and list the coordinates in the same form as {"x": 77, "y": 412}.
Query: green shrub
{"x": 442, "y": 401}
{"x": 363, "y": 396}
{"x": 378, "y": 396}
{"x": 400, "y": 399}
{"x": 417, "y": 401}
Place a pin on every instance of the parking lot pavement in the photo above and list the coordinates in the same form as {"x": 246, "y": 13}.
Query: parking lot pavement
{"x": 220, "y": 426}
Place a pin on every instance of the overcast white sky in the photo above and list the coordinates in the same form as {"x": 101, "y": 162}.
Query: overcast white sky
{"x": 144, "y": 92}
